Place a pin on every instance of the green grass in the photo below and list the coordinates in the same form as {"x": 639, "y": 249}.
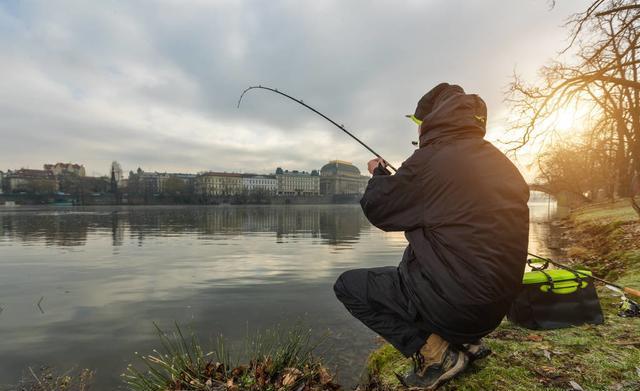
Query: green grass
{"x": 524, "y": 359}
{"x": 620, "y": 211}
{"x": 606, "y": 357}
{"x": 606, "y": 238}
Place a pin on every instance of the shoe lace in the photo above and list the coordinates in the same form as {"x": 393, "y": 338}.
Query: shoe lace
{"x": 418, "y": 362}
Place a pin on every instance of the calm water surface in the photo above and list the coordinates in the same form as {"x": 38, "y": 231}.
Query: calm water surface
{"x": 105, "y": 274}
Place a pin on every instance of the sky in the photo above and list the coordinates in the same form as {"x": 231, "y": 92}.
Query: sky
{"x": 154, "y": 84}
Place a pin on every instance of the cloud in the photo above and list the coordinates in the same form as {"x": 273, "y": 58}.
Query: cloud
{"x": 154, "y": 84}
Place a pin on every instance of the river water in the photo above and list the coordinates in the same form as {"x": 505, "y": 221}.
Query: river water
{"x": 81, "y": 287}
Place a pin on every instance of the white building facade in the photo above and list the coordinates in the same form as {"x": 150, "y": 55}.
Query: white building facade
{"x": 218, "y": 184}
{"x": 295, "y": 183}
{"x": 267, "y": 183}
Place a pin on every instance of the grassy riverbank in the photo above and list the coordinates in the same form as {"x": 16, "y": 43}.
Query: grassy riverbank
{"x": 604, "y": 238}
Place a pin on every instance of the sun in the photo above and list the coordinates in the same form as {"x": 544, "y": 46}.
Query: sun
{"x": 565, "y": 119}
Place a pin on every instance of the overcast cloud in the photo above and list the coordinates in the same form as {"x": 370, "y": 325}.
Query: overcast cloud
{"x": 155, "y": 83}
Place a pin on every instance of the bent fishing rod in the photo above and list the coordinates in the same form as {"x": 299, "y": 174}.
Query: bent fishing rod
{"x": 615, "y": 287}
{"x": 300, "y": 101}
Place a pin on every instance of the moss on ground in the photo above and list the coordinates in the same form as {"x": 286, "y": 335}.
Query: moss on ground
{"x": 605, "y": 238}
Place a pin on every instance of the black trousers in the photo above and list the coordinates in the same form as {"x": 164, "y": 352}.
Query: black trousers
{"x": 377, "y": 297}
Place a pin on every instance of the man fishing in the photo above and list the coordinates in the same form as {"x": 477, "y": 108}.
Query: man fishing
{"x": 463, "y": 207}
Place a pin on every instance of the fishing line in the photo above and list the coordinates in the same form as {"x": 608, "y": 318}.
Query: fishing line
{"x": 300, "y": 101}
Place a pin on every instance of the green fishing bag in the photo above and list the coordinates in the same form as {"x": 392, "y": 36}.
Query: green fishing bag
{"x": 555, "y": 298}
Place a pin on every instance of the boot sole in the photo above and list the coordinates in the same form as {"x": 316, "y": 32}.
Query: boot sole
{"x": 461, "y": 365}
{"x": 480, "y": 354}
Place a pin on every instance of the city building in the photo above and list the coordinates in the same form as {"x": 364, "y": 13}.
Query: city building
{"x": 59, "y": 169}
{"x": 266, "y": 183}
{"x": 296, "y": 183}
{"x": 187, "y": 179}
{"x": 163, "y": 178}
{"x": 84, "y": 185}
{"x": 341, "y": 177}
{"x": 31, "y": 181}
{"x": 218, "y": 184}
{"x": 155, "y": 182}
{"x": 337, "y": 177}
{"x": 147, "y": 182}
{"x": 118, "y": 175}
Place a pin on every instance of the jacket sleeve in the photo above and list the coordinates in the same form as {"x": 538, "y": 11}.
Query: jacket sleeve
{"x": 394, "y": 202}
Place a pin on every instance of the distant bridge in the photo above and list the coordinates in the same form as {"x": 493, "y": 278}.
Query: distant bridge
{"x": 563, "y": 198}
{"x": 540, "y": 188}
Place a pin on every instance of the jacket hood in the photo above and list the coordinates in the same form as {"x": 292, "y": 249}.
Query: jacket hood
{"x": 448, "y": 112}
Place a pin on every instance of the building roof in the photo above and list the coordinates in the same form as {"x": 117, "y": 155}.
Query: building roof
{"x": 28, "y": 173}
{"x": 339, "y": 168}
{"x": 63, "y": 165}
{"x": 259, "y": 176}
{"x": 222, "y": 174}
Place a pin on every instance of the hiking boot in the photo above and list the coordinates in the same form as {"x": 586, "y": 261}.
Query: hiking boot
{"x": 435, "y": 363}
{"x": 476, "y": 350}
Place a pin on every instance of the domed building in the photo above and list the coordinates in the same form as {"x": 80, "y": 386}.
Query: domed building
{"x": 340, "y": 177}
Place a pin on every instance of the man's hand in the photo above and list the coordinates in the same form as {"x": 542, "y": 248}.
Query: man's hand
{"x": 373, "y": 163}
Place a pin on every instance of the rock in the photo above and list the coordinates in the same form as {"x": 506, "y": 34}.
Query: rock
{"x": 575, "y": 386}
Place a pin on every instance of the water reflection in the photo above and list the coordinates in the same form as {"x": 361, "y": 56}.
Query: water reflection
{"x": 336, "y": 225}
{"x": 544, "y": 238}
{"x": 107, "y": 273}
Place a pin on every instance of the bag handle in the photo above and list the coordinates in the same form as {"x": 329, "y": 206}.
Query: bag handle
{"x": 531, "y": 262}
{"x": 545, "y": 265}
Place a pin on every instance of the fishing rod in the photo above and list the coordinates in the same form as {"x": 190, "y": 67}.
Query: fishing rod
{"x": 615, "y": 287}
{"x": 300, "y": 101}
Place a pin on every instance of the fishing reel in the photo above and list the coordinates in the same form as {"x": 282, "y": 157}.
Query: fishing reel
{"x": 629, "y": 308}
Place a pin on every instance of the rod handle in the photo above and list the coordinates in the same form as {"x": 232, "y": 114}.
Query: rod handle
{"x": 631, "y": 291}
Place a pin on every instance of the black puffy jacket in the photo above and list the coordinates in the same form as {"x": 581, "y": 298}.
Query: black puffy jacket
{"x": 463, "y": 207}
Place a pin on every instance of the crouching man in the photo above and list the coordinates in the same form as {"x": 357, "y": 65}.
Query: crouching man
{"x": 463, "y": 207}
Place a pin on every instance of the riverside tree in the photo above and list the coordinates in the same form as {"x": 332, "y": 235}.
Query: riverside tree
{"x": 582, "y": 168}
{"x": 599, "y": 86}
